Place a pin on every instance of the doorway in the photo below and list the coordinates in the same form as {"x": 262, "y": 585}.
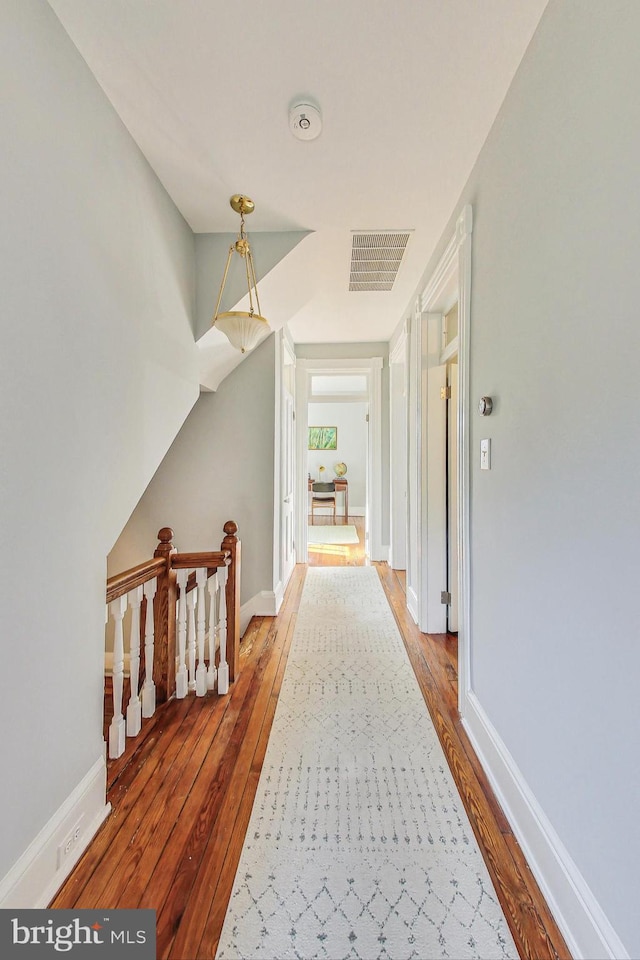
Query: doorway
{"x": 398, "y": 434}
{"x": 451, "y": 471}
{"x": 326, "y": 388}
{"x": 438, "y": 571}
{"x": 338, "y": 455}
{"x": 287, "y": 468}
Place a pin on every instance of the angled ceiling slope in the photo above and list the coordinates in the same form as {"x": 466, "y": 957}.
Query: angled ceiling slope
{"x": 280, "y": 285}
{"x": 408, "y": 92}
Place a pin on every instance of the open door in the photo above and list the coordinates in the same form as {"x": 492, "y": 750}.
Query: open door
{"x": 452, "y": 496}
{"x": 288, "y": 473}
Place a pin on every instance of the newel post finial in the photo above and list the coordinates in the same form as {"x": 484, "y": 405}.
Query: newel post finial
{"x": 232, "y": 544}
{"x": 231, "y": 528}
{"x": 164, "y": 614}
{"x": 165, "y": 536}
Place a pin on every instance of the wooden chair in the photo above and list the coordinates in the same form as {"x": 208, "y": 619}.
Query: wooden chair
{"x": 323, "y": 495}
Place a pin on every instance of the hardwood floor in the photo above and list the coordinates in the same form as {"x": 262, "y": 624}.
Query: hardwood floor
{"x": 337, "y": 555}
{"x": 182, "y": 798}
{"x": 434, "y": 659}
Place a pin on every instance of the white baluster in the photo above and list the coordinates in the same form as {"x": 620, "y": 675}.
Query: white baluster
{"x": 134, "y": 709}
{"x": 149, "y": 687}
{"x": 117, "y": 727}
{"x": 212, "y": 585}
{"x": 223, "y": 666}
{"x": 181, "y": 674}
{"x": 192, "y": 599}
{"x": 201, "y": 672}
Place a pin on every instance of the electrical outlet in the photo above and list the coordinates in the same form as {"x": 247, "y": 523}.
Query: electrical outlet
{"x": 70, "y": 842}
{"x": 64, "y": 849}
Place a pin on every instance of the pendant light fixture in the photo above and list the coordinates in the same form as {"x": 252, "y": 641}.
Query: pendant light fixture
{"x": 244, "y": 329}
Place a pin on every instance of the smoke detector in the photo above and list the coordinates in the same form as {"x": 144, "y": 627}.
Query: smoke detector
{"x": 305, "y": 121}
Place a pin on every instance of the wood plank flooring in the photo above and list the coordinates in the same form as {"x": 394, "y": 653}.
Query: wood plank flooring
{"x": 182, "y": 797}
{"x": 434, "y": 660}
{"x": 338, "y": 555}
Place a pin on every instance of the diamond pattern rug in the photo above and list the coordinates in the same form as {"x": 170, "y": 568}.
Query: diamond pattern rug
{"x": 358, "y": 845}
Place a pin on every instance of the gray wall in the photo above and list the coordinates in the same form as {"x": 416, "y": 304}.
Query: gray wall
{"x": 220, "y": 467}
{"x": 555, "y": 340}
{"x": 360, "y": 351}
{"x": 212, "y": 250}
{"x": 98, "y": 369}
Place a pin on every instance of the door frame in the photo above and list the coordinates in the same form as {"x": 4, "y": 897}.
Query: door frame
{"x": 398, "y": 445}
{"x": 305, "y": 369}
{"x": 283, "y": 348}
{"x": 453, "y": 271}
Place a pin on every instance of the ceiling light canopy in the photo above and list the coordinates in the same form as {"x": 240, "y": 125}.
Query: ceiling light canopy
{"x": 245, "y": 329}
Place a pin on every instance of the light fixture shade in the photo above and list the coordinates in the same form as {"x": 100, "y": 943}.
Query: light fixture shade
{"x": 244, "y": 330}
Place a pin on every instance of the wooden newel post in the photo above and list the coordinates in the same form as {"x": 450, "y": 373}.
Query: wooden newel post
{"x": 232, "y": 544}
{"x": 164, "y": 612}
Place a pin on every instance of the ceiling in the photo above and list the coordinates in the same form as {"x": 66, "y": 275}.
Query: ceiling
{"x": 408, "y": 92}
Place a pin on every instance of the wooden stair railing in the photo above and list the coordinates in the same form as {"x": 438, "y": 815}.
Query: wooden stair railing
{"x": 164, "y": 594}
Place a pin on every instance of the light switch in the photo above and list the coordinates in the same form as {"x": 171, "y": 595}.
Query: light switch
{"x": 485, "y": 454}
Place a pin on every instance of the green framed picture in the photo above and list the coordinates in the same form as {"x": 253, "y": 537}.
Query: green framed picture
{"x": 323, "y": 438}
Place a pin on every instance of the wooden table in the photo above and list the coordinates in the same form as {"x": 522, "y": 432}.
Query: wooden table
{"x": 341, "y": 485}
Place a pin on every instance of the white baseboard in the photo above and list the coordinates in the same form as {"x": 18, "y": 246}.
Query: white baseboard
{"x": 582, "y": 922}
{"x": 278, "y": 595}
{"x": 380, "y": 552}
{"x": 36, "y": 877}
{"x": 412, "y": 603}
{"x": 263, "y": 604}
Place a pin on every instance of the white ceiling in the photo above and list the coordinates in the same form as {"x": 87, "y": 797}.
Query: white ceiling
{"x": 408, "y": 91}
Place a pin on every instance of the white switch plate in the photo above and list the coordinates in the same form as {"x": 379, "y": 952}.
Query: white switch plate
{"x": 485, "y": 454}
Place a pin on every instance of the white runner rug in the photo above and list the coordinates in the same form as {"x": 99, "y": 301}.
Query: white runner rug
{"x": 332, "y": 533}
{"x": 358, "y": 845}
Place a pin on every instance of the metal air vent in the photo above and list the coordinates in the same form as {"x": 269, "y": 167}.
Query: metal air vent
{"x": 376, "y": 259}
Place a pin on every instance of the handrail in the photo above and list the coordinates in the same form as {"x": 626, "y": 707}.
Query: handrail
{"x": 209, "y": 559}
{"x": 154, "y": 612}
{"x": 166, "y": 598}
{"x": 122, "y": 583}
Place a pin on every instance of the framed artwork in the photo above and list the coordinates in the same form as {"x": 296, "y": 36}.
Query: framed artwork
{"x": 323, "y": 438}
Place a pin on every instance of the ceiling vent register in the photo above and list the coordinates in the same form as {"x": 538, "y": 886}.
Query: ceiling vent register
{"x": 376, "y": 259}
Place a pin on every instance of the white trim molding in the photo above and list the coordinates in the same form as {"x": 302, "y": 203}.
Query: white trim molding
{"x": 377, "y": 550}
{"x": 582, "y": 922}
{"x": 398, "y": 342}
{"x": 414, "y": 389}
{"x": 450, "y": 278}
{"x": 266, "y": 603}
{"x": 398, "y": 443}
{"x": 372, "y": 366}
{"x": 412, "y": 603}
{"x": 34, "y": 880}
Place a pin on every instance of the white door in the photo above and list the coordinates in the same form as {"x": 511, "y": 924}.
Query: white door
{"x": 367, "y": 496}
{"x": 398, "y": 466}
{"x": 452, "y": 497}
{"x": 287, "y": 513}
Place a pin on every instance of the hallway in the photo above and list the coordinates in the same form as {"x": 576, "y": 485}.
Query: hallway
{"x": 358, "y": 844}
{"x": 182, "y": 805}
